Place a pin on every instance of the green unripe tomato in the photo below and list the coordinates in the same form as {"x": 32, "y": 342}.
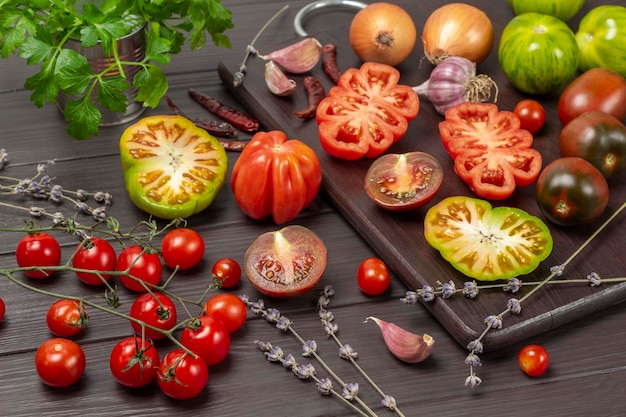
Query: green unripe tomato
{"x": 561, "y": 9}
{"x": 601, "y": 39}
{"x": 538, "y": 53}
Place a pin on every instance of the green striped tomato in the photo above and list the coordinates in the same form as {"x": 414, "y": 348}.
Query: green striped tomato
{"x": 601, "y": 38}
{"x": 563, "y": 9}
{"x": 538, "y": 53}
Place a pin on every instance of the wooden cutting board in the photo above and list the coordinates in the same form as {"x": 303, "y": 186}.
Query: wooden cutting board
{"x": 398, "y": 237}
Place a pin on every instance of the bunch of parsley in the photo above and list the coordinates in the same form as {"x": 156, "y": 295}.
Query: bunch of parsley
{"x": 37, "y": 30}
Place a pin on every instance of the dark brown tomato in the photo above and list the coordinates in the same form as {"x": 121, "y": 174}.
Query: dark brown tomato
{"x": 571, "y": 192}
{"x": 598, "y": 138}
{"x": 403, "y": 181}
{"x": 598, "y": 89}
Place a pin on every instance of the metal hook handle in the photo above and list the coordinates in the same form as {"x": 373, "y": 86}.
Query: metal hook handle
{"x": 320, "y": 4}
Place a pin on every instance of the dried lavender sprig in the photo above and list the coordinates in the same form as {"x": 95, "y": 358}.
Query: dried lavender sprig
{"x": 273, "y": 315}
{"x": 327, "y": 319}
{"x": 325, "y": 387}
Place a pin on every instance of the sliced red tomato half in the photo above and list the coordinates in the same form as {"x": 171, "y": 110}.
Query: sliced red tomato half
{"x": 492, "y": 154}
{"x": 366, "y": 112}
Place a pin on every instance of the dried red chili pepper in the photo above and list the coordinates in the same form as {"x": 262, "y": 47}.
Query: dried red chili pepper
{"x": 236, "y": 117}
{"x": 329, "y": 62}
{"x": 316, "y": 93}
{"x": 214, "y": 127}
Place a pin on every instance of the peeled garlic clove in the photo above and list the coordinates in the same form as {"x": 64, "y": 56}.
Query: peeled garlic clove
{"x": 297, "y": 58}
{"x": 277, "y": 81}
{"x": 404, "y": 345}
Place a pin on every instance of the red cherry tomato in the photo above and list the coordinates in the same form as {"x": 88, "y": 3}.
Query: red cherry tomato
{"x": 133, "y": 363}
{"x": 60, "y": 362}
{"x": 182, "y": 376}
{"x": 99, "y": 256}
{"x": 155, "y": 309}
{"x": 38, "y": 250}
{"x": 531, "y": 114}
{"x": 534, "y": 360}
{"x": 210, "y": 340}
{"x": 227, "y": 308}
{"x": 145, "y": 266}
{"x": 228, "y": 271}
{"x": 66, "y": 317}
{"x": 373, "y": 276}
{"x": 182, "y": 248}
{"x": 2, "y": 309}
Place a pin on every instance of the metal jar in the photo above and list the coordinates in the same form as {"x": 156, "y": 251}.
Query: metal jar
{"x": 130, "y": 48}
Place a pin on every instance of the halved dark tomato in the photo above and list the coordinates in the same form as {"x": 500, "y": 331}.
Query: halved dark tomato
{"x": 286, "y": 262}
{"x": 403, "y": 181}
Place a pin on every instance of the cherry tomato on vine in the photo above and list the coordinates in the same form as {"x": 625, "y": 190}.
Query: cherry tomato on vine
{"x": 38, "y": 250}
{"x": 227, "y": 308}
{"x": 182, "y": 248}
{"x": 145, "y": 266}
{"x": 133, "y": 363}
{"x": 60, "y": 362}
{"x": 155, "y": 309}
{"x": 66, "y": 317}
{"x": 533, "y": 359}
{"x": 182, "y": 376}
{"x": 210, "y": 340}
{"x": 228, "y": 271}
{"x": 373, "y": 276}
{"x": 98, "y": 256}
{"x": 531, "y": 115}
{"x": 3, "y": 309}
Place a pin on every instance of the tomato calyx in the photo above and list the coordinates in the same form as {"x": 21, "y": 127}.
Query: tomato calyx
{"x": 140, "y": 357}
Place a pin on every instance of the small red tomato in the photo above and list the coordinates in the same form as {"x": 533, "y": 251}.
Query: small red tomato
{"x": 2, "y": 309}
{"x": 143, "y": 266}
{"x": 227, "y": 308}
{"x": 99, "y": 256}
{"x": 373, "y": 276}
{"x": 182, "y": 376}
{"x": 228, "y": 271}
{"x": 155, "y": 309}
{"x": 38, "y": 250}
{"x": 133, "y": 363}
{"x": 182, "y": 248}
{"x": 60, "y": 362}
{"x": 210, "y": 340}
{"x": 531, "y": 114}
{"x": 533, "y": 359}
{"x": 66, "y": 318}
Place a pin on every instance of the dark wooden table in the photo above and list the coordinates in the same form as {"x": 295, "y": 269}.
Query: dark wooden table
{"x": 588, "y": 366}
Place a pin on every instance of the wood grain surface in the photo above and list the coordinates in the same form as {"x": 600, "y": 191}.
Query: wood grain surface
{"x": 587, "y": 362}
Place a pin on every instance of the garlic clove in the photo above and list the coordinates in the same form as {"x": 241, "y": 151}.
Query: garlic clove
{"x": 277, "y": 81}
{"x": 404, "y": 345}
{"x": 297, "y": 58}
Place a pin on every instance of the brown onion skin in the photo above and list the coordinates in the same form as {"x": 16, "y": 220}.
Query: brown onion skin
{"x": 384, "y": 33}
{"x": 457, "y": 29}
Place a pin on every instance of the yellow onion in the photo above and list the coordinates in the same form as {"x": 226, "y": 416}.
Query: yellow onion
{"x": 457, "y": 29}
{"x": 383, "y": 33}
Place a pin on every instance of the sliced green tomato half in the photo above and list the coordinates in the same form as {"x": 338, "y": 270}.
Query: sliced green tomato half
{"x": 487, "y": 243}
{"x": 172, "y": 168}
